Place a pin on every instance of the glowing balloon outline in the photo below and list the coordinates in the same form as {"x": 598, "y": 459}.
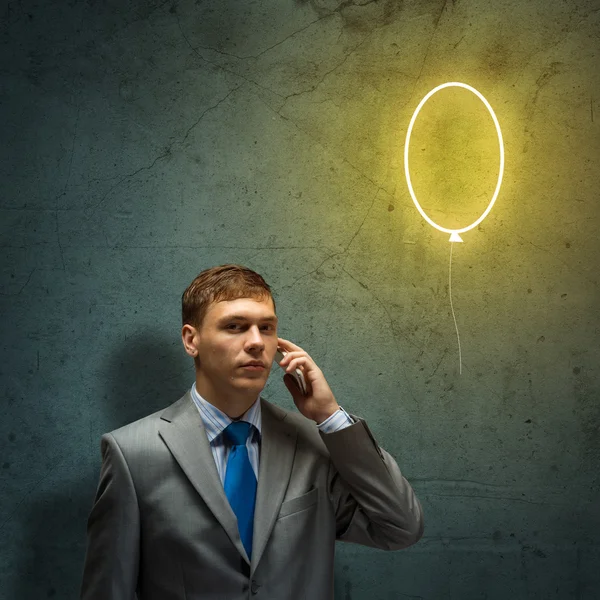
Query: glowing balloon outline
{"x": 454, "y": 233}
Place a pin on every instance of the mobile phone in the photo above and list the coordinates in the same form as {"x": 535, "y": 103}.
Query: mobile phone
{"x": 297, "y": 374}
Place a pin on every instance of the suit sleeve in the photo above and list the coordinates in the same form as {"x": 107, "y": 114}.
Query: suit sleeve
{"x": 374, "y": 504}
{"x": 113, "y": 531}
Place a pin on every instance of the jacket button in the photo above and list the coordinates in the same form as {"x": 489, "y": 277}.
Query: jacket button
{"x": 254, "y": 587}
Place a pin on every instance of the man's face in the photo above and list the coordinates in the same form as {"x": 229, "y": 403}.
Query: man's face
{"x": 234, "y": 333}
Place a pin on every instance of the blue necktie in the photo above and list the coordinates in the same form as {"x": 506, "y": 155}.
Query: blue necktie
{"x": 240, "y": 481}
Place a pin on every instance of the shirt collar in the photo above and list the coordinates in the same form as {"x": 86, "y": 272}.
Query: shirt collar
{"x": 215, "y": 420}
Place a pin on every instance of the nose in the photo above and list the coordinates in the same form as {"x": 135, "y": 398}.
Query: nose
{"x": 254, "y": 341}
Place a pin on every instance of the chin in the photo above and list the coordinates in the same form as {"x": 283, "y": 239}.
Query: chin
{"x": 254, "y": 385}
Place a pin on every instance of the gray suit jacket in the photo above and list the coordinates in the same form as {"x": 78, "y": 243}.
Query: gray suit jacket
{"x": 162, "y": 525}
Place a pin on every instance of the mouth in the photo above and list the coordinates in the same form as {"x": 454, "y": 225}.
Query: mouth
{"x": 254, "y": 366}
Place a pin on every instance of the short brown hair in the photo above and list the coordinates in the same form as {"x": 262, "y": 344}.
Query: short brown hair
{"x": 225, "y": 282}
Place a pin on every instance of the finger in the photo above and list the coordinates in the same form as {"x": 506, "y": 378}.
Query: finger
{"x": 304, "y": 363}
{"x": 290, "y": 356}
{"x": 292, "y": 367}
{"x": 287, "y": 345}
{"x": 283, "y": 343}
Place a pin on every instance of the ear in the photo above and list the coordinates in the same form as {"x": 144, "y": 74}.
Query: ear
{"x": 188, "y": 334}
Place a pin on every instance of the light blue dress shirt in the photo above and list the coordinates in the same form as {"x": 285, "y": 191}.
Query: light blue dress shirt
{"x": 215, "y": 421}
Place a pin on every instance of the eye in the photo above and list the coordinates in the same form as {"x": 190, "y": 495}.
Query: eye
{"x": 232, "y": 326}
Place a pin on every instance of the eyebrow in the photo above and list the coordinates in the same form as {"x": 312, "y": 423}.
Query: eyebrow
{"x": 273, "y": 319}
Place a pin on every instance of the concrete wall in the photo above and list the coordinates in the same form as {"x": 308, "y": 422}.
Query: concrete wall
{"x": 145, "y": 141}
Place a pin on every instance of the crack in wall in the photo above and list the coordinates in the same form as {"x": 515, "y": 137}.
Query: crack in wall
{"x": 166, "y": 153}
{"x": 255, "y": 56}
{"x": 327, "y": 73}
{"x": 24, "y": 285}
{"x": 293, "y": 283}
{"x": 435, "y": 28}
{"x": 503, "y": 498}
{"x": 395, "y": 335}
{"x": 204, "y": 113}
{"x": 221, "y": 67}
{"x": 584, "y": 274}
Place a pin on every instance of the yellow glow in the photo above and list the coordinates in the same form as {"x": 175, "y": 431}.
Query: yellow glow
{"x": 454, "y": 233}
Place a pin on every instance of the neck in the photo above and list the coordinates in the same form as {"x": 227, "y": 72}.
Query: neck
{"x": 234, "y": 402}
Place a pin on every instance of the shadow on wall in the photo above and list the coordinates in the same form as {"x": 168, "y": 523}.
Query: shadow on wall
{"x": 145, "y": 375}
{"x": 142, "y": 376}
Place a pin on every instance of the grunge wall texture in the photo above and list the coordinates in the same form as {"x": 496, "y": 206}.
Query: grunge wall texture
{"x": 144, "y": 141}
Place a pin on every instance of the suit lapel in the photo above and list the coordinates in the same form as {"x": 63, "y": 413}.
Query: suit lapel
{"x": 278, "y": 447}
{"x": 182, "y": 429}
{"x": 183, "y": 432}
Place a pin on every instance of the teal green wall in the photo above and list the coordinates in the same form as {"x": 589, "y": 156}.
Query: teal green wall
{"x": 142, "y": 142}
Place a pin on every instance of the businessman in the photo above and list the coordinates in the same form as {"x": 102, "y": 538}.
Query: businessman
{"x": 225, "y": 496}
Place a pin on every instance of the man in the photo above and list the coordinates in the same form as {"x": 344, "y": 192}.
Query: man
{"x": 226, "y": 496}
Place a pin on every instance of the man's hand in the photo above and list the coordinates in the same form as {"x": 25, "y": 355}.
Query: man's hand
{"x": 319, "y": 402}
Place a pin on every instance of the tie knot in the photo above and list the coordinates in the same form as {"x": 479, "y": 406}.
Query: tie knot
{"x": 236, "y": 433}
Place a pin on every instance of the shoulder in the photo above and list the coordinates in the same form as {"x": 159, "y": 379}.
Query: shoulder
{"x": 143, "y": 431}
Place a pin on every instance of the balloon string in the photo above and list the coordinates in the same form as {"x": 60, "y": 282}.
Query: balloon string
{"x": 452, "y": 307}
